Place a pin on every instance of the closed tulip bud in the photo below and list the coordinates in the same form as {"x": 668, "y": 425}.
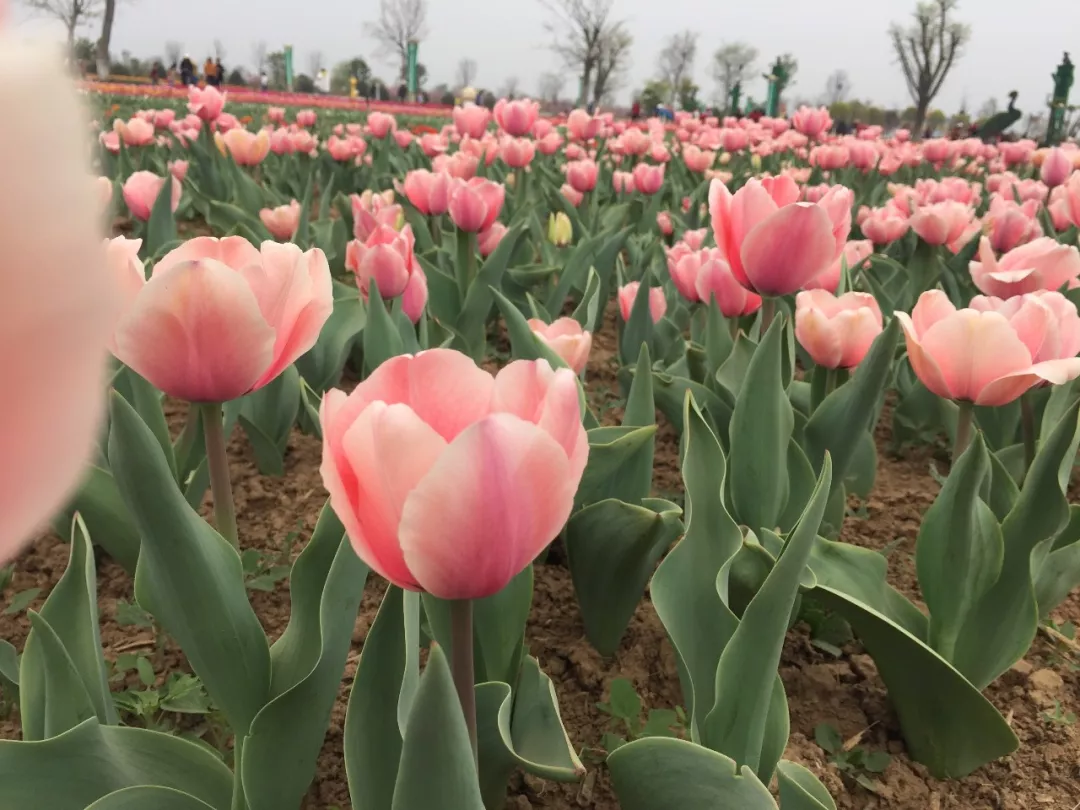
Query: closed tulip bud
{"x": 475, "y": 204}
{"x": 380, "y": 124}
{"x": 141, "y": 192}
{"x": 487, "y": 241}
{"x": 1056, "y": 167}
{"x": 648, "y": 179}
{"x": 386, "y": 256}
{"x": 836, "y": 332}
{"x": 663, "y": 222}
{"x": 516, "y": 117}
{"x": 567, "y": 338}
{"x": 206, "y": 102}
{"x": 282, "y": 221}
{"x": 628, "y": 294}
{"x": 582, "y": 174}
{"x": 560, "y": 229}
{"x": 246, "y": 148}
{"x": 941, "y": 223}
{"x": 471, "y": 119}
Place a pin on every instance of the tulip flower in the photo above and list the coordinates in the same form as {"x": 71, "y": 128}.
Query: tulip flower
{"x": 380, "y": 124}
{"x": 696, "y": 159}
{"x": 812, "y": 122}
{"x": 104, "y": 187}
{"x": 178, "y": 169}
{"x": 1046, "y": 321}
{"x": 560, "y": 229}
{"x": 648, "y": 179}
{"x": 403, "y": 138}
{"x": 622, "y": 182}
{"x": 567, "y": 338}
{"x": 883, "y": 226}
{"x": 246, "y": 148}
{"x": 57, "y": 299}
{"x": 700, "y": 275}
{"x": 281, "y": 221}
{"x": 581, "y": 175}
{"x": 387, "y": 256}
{"x": 836, "y": 331}
{"x": 572, "y": 195}
{"x": 471, "y": 119}
{"x": 1009, "y": 224}
{"x": 580, "y": 126}
{"x": 141, "y": 192}
{"x": 135, "y": 132}
{"x": 663, "y": 222}
{"x": 206, "y": 102}
{"x": 370, "y": 210}
{"x": 475, "y": 204}
{"x": 487, "y": 241}
{"x": 516, "y": 117}
{"x": 518, "y": 152}
{"x": 429, "y": 192}
{"x": 305, "y": 118}
{"x": 855, "y": 253}
{"x": 1042, "y": 264}
{"x": 415, "y": 297}
{"x": 628, "y": 294}
{"x": 1056, "y": 167}
{"x": 941, "y": 223}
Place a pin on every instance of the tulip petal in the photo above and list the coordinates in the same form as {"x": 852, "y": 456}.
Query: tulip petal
{"x": 932, "y": 306}
{"x": 196, "y": 332}
{"x": 234, "y": 251}
{"x": 922, "y": 363}
{"x": 787, "y": 249}
{"x": 818, "y": 335}
{"x": 494, "y": 499}
{"x": 1010, "y": 386}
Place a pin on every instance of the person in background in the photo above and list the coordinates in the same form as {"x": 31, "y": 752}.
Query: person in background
{"x": 402, "y": 91}
{"x": 210, "y": 71}
{"x": 264, "y": 81}
{"x": 635, "y": 110}
{"x": 155, "y": 73}
{"x": 171, "y": 74}
{"x": 219, "y": 71}
{"x": 187, "y": 71}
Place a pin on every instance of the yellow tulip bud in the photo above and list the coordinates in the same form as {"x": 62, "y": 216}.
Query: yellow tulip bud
{"x": 755, "y": 162}
{"x": 560, "y": 231}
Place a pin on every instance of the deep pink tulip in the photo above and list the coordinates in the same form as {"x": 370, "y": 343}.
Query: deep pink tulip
{"x": 664, "y": 223}
{"x": 429, "y": 192}
{"x": 281, "y": 221}
{"x": 471, "y": 119}
{"x": 836, "y": 332}
{"x": 648, "y": 179}
{"x": 975, "y": 356}
{"x": 1056, "y": 167}
{"x": 381, "y": 124}
{"x": 387, "y": 256}
{"x": 1042, "y": 264}
{"x": 206, "y": 102}
{"x": 518, "y": 152}
{"x": 941, "y": 223}
{"x": 415, "y": 297}
{"x": 567, "y": 338}
{"x": 771, "y": 249}
{"x": 141, "y": 192}
{"x": 628, "y": 294}
{"x": 403, "y": 138}
{"x": 487, "y": 241}
{"x": 475, "y": 204}
{"x": 448, "y": 480}
{"x": 582, "y": 174}
{"x": 219, "y": 319}
{"x": 516, "y": 117}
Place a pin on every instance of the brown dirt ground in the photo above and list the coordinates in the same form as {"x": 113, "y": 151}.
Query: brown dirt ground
{"x": 844, "y": 691}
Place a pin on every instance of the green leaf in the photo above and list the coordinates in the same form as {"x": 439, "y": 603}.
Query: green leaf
{"x": 53, "y": 698}
{"x": 718, "y": 340}
{"x": 947, "y": 724}
{"x": 1058, "y": 572}
{"x": 524, "y": 344}
{"x": 498, "y": 627}
{"x": 91, "y": 761}
{"x": 382, "y": 340}
{"x": 639, "y": 329}
{"x": 9, "y": 664}
{"x": 658, "y": 773}
{"x": 800, "y": 789}
{"x": 372, "y": 741}
{"x": 472, "y": 322}
{"x": 21, "y": 601}
{"x": 613, "y": 469}
{"x": 146, "y": 400}
{"x": 322, "y": 365}
{"x": 745, "y": 675}
{"x": 308, "y": 661}
{"x": 612, "y": 549}
{"x": 144, "y": 797}
{"x": 267, "y": 417}
{"x": 625, "y": 703}
{"x": 108, "y": 521}
{"x": 189, "y": 578}
{"x": 161, "y": 227}
{"x": 828, "y": 738}
{"x": 437, "y": 769}
{"x": 574, "y": 272}
{"x": 761, "y": 427}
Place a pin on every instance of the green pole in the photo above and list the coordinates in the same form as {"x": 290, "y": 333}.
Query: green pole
{"x": 411, "y": 75}
{"x": 288, "y": 67}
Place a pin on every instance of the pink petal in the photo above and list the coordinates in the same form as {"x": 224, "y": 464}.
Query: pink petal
{"x": 788, "y": 249}
{"x": 924, "y": 365}
{"x": 817, "y": 334}
{"x": 490, "y": 504}
{"x": 932, "y": 306}
{"x": 195, "y": 332}
{"x": 234, "y": 251}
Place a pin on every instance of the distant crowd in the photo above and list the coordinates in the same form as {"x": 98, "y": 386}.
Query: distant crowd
{"x": 186, "y": 72}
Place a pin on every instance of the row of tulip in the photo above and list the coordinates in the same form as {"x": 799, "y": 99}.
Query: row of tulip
{"x": 750, "y": 318}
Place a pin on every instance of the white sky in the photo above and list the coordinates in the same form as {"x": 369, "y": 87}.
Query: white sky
{"x": 1014, "y": 45}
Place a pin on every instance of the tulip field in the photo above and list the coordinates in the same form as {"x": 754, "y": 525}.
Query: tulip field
{"x": 489, "y": 460}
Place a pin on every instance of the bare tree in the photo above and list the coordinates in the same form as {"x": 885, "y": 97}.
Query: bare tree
{"x": 837, "y": 87}
{"x": 72, "y": 13}
{"x": 510, "y": 87}
{"x": 988, "y": 109}
{"x": 466, "y": 72}
{"x": 551, "y": 86}
{"x": 258, "y": 53}
{"x": 173, "y": 51}
{"x": 102, "y": 52}
{"x": 612, "y": 56}
{"x": 733, "y": 63}
{"x": 315, "y": 63}
{"x": 927, "y": 50}
{"x": 578, "y": 30}
{"x": 400, "y": 22}
{"x": 676, "y": 61}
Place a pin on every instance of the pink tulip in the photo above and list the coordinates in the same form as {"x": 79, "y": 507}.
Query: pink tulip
{"x": 812, "y": 122}
{"x": 275, "y": 114}
{"x": 1056, "y": 167}
{"x": 403, "y": 138}
{"x": 305, "y": 118}
{"x": 448, "y": 480}
{"x": 975, "y": 356}
{"x": 281, "y": 142}
{"x": 829, "y": 157}
{"x": 460, "y": 165}
{"x": 227, "y": 121}
{"x": 864, "y": 156}
{"x": 518, "y": 152}
{"x": 1009, "y": 224}
{"x": 733, "y": 140}
{"x": 714, "y": 280}
{"x": 941, "y": 223}
{"x": 206, "y": 102}
{"x": 381, "y": 124}
{"x": 135, "y": 132}
{"x": 1042, "y": 264}
{"x": 572, "y": 194}
{"x": 340, "y": 149}
{"x": 104, "y": 188}
{"x": 475, "y": 204}
{"x": 1046, "y": 321}
{"x": 883, "y": 226}
{"x": 246, "y": 148}
{"x": 281, "y": 221}
{"x": 836, "y": 332}
{"x": 580, "y": 126}
{"x": 387, "y": 256}
{"x": 628, "y": 294}
{"x": 370, "y": 210}
{"x": 698, "y": 160}
{"x": 582, "y": 174}
{"x": 304, "y": 142}
{"x": 163, "y": 118}
{"x": 695, "y": 239}
{"x": 772, "y": 249}
{"x": 516, "y": 117}
{"x": 855, "y": 252}
{"x": 471, "y": 119}
{"x": 549, "y": 144}
{"x": 622, "y": 182}
{"x": 141, "y": 192}
{"x": 178, "y": 169}
{"x": 429, "y": 192}
{"x": 567, "y": 338}
{"x": 415, "y": 297}
{"x": 663, "y": 222}
{"x": 111, "y": 141}
{"x": 487, "y": 241}
{"x": 219, "y": 319}
{"x": 937, "y": 150}
{"x": 648, "y": 179}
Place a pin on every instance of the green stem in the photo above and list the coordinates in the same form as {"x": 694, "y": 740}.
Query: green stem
{"x": 733, "y": 325}
{"x": 239, "y": 802}
{"x": 466, "y": 262}
{"x": 461, "y": 663}
{"x": 218, "y": 461}
{"x": 519, "y": 188}
{"x": 768, "y": 311}
{"x": 830, "y": 381}
{"x": 1027, "y": 426}
{"x": 963, "y": 429}
{"x": 436, "y": 229}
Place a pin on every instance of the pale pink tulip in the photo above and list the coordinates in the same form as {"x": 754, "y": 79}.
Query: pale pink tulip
{"x": 1072, "y": 198}
{"x": 697, "y": 160}
{"x": 1042, "y": 264}
{"x": 387, "y": 257}
{"x": 471, "y": 119}
{"x": 1056, "y": 167}
{"x": 415, "y": 297}
{"x": 941, "y": 223}
{"x": 448, "y": 480}
{"x": 1009, "y": 224}
{"x": 135, "y": 132}
{"x": 812, "y": 122}
{"x": 219, "y": 319}
{"x": 487, "y": 241}
{"x": 516, "y": 117}
{"x": 246, "y": 148}
{"x": 370, "y": 210}
{"x": 111, "y": 141}
{"x": 460, "y": 165}
{"x": 571, "y": 194}
{"x": 836, "y": 332}
{"x": 648, "y": 179}
{"x": 714, "y": 280}
{"x": 622, "y": 182}
{"x": 628, "y": 294}
{"x": 855, "y": 252}
{"x": 518, "y": 152}
{"x": 475, "y": 204}
{"x": 567, "y": 338}
{"x": 974, "y": 356}
{"x": 305, "y": 118}
{"x": 1046, "y": 321}
{"x": 429, "y": 192}
{"x": 275, "y": 114}
{"x": 663, "y": 222}
{"x": 695, "y": 239}
{"x": 549, "y": 144}
{"x": 206, "y": 102}
{"x": 104, "y": 192}
{"x": 580, "y": 126}
{"x": 164, "y": 118}
{"x": 281, "y": 221}
{"x": 178, "y": 169}
{"x": 883, "y": 226}
{"x": 141, "y": 192}
{"x": 381, "y": 124}
{"x": 582, "y": 174}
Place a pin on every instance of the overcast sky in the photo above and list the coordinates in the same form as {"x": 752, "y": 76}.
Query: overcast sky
{"x": 1014, "y": 45}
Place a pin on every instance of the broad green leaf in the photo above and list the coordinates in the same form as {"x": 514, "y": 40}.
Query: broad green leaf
{"x": 9, "y": 664}
{"x": 472, "y": 322}
{"x": 524, "y": 344}
{"x": 147, "y": 797}
{"x": 588, "y": 309}
{"x": 437, "y": 770}
{"x": 736, "y": 725}
{"x": 573, "y": 272}
{"x": 1057, "y": 571}
{"x": 308, "y": 661}
{"x": 322, "y": 365}
{"x": 613, "y": 469}
{"x": 718, "y": 338}
{"x": 146, "y": 400}
{"x": 760, "y": 429}
{"x": 161, "y": 227}
{"x": 382, "y": 340}
{"x": 189, "y": 577}
{"x": 669, "y": 392}
{"x": 91, "y": 761}
{"x": 71, "y": 615}
{"x": 107, "y": 519}
{"x": 612, "y": 548}
{"x": 498, "y": 627}
{"x": 947, "y": 724}
{"x": 640, "y": 412}
{"x": 639, "y": 329}
{"x": 53, "y": 697}
{"x": 660, "y": 773}
{"x": 267, "y": 417}
{"x": 800, "y": 789}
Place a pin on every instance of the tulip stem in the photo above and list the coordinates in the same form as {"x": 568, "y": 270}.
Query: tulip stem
{"x": 519, "y": 186}
{"x": 436, "y": 229}
{"x": 768, "y": 310}
{"x": 461, "y": 663}
{"x": 830, "y": 380}
{"x": 239, "y": 801}
{"x": 733, "y": 325}
{"x": 1027, "y": 427}
{"x": 218, "y": 461}
{"x": 964, "y": 418}
{"x": 466, "y": 262}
